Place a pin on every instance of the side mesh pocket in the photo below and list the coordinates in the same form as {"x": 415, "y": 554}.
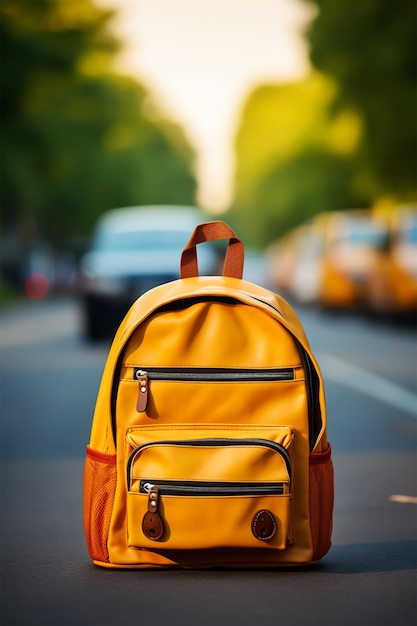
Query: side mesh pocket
{"x": 98, "y": 498}
{"x": 321, "y": 497}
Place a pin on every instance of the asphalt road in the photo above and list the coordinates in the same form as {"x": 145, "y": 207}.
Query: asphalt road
{"x": 49, "y": 381}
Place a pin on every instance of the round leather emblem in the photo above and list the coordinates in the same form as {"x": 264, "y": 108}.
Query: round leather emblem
{"x": 264, "y": 525}
{"x": 152, "y": 526}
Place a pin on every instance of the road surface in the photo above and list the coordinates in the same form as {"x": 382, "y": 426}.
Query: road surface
{"x": 49, "y": 381}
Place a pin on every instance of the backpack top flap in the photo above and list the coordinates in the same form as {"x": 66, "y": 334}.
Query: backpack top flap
{"x": 191, "y": 286}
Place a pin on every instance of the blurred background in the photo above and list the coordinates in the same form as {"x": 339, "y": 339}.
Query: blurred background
{"x": 125, "y": 122}
{"x": 293, "y": 120}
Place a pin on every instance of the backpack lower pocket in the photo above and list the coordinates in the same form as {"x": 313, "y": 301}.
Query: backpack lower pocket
{"x": 321, "y": 489}
{"x": 205, "y": 489}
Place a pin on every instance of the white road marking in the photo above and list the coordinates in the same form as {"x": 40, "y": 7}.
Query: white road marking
{"x": 403, "y": 499}
{"x": 364, "y": 381}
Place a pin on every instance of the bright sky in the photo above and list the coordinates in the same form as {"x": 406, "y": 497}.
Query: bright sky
{"x": 201, "y": 58}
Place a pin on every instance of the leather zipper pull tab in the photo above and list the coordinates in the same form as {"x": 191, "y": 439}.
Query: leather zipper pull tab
{"x": 153, "y": 499}
{"x": 152, "y": 524}
{"x": 142, "y": 378}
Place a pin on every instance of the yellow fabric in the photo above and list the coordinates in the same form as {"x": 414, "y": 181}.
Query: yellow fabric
{"x": 257, "y": 331}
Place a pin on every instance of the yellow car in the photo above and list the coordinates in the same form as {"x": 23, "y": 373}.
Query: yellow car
{"x": 352, "y": 244}
{"x": 393, "y": 288}
{"x": 330, "y": 259}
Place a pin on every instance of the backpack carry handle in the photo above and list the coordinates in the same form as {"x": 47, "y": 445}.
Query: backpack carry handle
{"x": 213, "y": 231}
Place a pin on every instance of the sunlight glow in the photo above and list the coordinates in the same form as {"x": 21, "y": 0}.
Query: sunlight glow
{"x": 200, "y": 60}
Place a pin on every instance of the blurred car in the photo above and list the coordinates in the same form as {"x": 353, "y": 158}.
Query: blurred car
{"x": 330, "y": 259}
{"x": 352, "y": 244}
{"x": 282, "y": 258}
{"x": 133, "y": 250}
{"x": 392, "y": 288}
{"x": 307, "y": 272}
{"x": 297, "y": 260}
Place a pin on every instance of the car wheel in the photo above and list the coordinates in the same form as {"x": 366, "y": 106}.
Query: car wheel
{"x": 94, "y": 329}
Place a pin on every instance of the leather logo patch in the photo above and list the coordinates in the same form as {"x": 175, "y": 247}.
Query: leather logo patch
{"x": 152, "y": 526}
{"x": 264, "y": 525}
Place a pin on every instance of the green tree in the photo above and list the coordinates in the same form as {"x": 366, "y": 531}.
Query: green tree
{"x": 77, "y": 136}
{"x": 369, "y": 48}
{"x": 316, "y": 180}
{"x": 292, "y": 160}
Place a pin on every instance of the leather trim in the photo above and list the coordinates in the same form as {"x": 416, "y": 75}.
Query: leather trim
{"x": 102, "y": 457}
{"x": 320, "y": 457}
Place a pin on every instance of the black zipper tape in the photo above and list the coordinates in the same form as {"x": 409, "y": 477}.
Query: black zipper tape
{"x": 203, "y": 488}
{"x": 204, "y": 374}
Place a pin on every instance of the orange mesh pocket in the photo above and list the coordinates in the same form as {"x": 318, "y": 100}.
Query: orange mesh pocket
{"x": 321, "y": 483}
{"x": 98, "y": 497}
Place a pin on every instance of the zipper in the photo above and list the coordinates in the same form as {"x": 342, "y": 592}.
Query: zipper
{"x": 219, "y": 442}
{"x": 204, "y": 374}
{"x": 202, "y": 488}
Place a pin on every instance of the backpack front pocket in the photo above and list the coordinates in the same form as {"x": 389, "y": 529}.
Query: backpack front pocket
{"x": 229, "y": 488}
{"x": 151, "y": 375}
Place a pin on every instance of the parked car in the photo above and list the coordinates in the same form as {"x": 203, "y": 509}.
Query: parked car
{"x": 392, "y": 288}
{"x": 330, "y": 259}
{"x": 353, "y": 241}
{"x": 133, "y": 250}
{"x": 282, "y": 258}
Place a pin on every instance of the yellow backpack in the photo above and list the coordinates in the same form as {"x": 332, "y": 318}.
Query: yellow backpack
{"x": 208, "y": 445}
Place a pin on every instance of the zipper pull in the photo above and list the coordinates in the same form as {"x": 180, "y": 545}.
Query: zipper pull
{"x": 152, "y": 524}
{"x": 142, "y": 378}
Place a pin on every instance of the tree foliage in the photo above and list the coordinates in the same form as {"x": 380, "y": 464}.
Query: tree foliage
{"x": 369, "y": 48}
{"x": 77, "y": 138}
{"x": 341, "y": 138}
{"x": 292, "y": 160}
